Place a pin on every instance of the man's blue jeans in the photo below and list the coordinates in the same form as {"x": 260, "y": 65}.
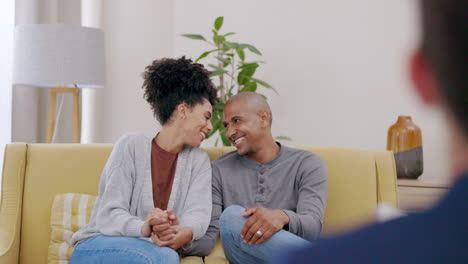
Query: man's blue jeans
{"x": 236, "y": 251}
{"x": 119, "y": 249}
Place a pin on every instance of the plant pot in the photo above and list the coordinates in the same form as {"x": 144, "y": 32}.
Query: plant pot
{"x": 405, "y": 140}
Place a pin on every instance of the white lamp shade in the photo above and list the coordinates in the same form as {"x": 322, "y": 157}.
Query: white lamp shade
{"x": 53, "y": 55}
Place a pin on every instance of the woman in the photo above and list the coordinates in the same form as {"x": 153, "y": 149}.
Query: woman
{"x": 146, "y": 175}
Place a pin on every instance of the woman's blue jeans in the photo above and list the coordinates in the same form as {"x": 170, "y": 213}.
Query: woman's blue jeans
{"x": 238, "y": 252}
{"x": 119, "y": 249}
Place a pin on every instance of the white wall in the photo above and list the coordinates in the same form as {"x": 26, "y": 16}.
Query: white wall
{"x": 136, "y": 32}
{"x": 7, "y": 23}
{"x": 91, "y": 99}
{"x": 340, "y": 67}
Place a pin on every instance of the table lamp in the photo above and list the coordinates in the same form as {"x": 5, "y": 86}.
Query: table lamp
{"x": 61, "y": 57}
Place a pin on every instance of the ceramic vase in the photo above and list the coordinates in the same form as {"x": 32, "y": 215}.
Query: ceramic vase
{"x": 405, "y": 140}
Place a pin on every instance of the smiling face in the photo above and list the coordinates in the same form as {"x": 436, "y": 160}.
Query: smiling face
{"x": 245, "y": 128}
{"x": 197, "y": 123}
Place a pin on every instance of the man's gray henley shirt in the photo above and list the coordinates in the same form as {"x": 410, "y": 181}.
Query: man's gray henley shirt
{"x": 294, "y": 181}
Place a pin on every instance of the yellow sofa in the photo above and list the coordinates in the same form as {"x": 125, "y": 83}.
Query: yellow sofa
{"x": 34, "y": 173}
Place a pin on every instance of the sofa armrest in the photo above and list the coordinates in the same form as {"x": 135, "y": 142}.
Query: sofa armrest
{"x": 386, "y": 178}
{"x": 14, "y": 166}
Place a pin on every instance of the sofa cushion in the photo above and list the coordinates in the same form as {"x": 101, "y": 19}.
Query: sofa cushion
{"x": 54, "y": 169}
{"x": 70, "y": 212}
{"x": 352, "y": 185}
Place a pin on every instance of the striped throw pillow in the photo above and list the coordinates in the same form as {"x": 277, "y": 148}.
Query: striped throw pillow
{"x": 70, "y": 212}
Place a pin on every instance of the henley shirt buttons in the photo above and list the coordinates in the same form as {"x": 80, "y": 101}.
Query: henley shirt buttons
{"x": 261, "y": 191}
{"x": 262, "y": 171}
{"x": 261, "y": 181}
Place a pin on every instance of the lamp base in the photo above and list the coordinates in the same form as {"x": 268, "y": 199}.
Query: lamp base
{"x": 52, "y": 112}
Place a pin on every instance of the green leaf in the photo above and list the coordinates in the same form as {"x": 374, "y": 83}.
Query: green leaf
{"x": 242, "y": 46}
{"x": 245, "y": 75}
{"x": 229, "y": 54}
{"x": 215, "y": 124}
{"x": 204, "y": 54}
{"x": 194, "y": 36}
{"x": 248, "y": 65}
{"x": 225, "y": 61}
{"x": 253, "y": 49}
{"x": 215, "y": 38}
{"x": 218, "y": 22}
{"x": 249, "y": 87}
{"x": 222, "y": 133}
{"x": 231, "y": 45}
{"x": 283, "y": 138}
{"x": 262, "y": 83}
{"x": 217, "y": 73}
{"x": 229, "y": 34}
{"x": 218, "y": 108}
{"x": 216, "y": 120}
{"x": 241, "y": 54}
{"x": 212, "y": 132}
{"x": 216, "y": 67}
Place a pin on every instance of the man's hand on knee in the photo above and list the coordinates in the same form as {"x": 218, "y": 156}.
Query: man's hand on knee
{"x": 262, "y": 224}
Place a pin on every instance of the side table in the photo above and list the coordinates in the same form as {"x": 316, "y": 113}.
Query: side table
{"x": 415, "y": 195}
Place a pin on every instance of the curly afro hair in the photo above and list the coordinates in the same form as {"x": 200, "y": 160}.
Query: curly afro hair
{"x": 170, "y": 82}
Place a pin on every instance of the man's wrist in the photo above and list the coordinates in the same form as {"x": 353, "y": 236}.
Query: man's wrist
{"x": 284, "y": 217}
{"x": 182, "y": 250}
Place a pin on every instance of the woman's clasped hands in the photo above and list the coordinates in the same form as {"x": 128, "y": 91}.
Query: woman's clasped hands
{"x": 163, "y": 227}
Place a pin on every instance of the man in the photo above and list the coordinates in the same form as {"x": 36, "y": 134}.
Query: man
{"x": 265, "y": 196}
{"x": 439, "y": 235}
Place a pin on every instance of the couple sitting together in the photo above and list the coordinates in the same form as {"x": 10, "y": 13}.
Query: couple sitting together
{"x": 159, "y": 196}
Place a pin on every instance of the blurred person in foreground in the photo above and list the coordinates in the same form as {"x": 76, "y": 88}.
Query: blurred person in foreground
{"x": 439, "y": 71}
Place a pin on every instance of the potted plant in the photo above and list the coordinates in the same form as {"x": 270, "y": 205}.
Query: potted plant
{"x": 234, "y": 73}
